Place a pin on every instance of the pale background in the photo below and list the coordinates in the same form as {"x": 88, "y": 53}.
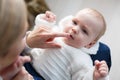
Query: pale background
{"x": 110, "y": 10}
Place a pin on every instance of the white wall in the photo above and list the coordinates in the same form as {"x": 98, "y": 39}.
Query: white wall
{"x": 110, "y": 10}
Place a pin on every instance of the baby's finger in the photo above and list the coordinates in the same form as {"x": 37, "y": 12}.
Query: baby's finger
{"x": 103, "y": 65}
{"x": 103, "y": 68}
{"x": 103, "y": 62}
{"x": 97, "y": 64}
{"x": 103, "y": 73}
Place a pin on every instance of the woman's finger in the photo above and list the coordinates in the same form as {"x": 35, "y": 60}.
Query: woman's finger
{"x": 23, "y": 75}
{"x": 55, "y": 34}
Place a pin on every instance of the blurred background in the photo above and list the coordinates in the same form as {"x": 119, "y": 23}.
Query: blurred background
{"x": 110, "y": 10}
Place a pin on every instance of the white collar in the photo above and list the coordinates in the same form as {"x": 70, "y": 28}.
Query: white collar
{"x": 92, "y": 50}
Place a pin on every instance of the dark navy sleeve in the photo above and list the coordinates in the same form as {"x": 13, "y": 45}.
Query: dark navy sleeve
{"x": 103, "y": 54}
{"x": 32, "y": 71}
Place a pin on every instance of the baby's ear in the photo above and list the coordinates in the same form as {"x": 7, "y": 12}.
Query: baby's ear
{"x": 90, "y": 44}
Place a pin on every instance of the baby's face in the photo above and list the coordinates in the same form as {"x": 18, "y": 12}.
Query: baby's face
{"x": 83, "y": 28}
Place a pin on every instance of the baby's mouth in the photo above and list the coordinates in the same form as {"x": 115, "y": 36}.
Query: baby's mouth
{"x": 71, "y": 36}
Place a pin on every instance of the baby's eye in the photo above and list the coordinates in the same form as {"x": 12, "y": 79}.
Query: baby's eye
{"x": 74, "y": 22}
{"x": 85, "y": 31}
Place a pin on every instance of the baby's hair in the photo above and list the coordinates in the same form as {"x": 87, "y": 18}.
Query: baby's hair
{"x": 11, "y": 29}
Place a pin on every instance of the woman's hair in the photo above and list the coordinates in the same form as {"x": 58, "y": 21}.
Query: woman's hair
{"x": 12, "y": 22}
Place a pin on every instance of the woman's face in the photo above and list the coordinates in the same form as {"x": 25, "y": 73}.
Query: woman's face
{"x": 14, "y": 51}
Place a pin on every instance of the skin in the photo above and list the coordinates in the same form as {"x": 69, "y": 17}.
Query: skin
{"x": 101, "y": 70}
{"x": 25, "y": 75}
{"x": 42, "y": 37}
{"x": 9, "y": 72}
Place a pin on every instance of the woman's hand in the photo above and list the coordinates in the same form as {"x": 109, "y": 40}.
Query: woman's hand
{"x": 9, "y": 72}
{"x": 23, "y": 75}
{"x": 42, "y": 37}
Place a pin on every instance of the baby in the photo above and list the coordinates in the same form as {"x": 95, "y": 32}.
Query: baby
{"x": 72, "y": 61}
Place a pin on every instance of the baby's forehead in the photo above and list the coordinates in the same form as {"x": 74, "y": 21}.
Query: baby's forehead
{"x": 89, "y": 14}
{"x": 88, "y": 11}
{"x": 93, "y": 16}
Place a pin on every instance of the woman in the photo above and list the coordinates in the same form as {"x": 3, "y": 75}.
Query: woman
{"x": 13, "y": 26}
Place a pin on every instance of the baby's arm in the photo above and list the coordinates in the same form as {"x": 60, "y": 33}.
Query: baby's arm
{"x": 101, "y": 70}
{"x": 47, "y": 20}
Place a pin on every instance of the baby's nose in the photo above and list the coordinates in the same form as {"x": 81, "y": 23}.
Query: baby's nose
{"x": 74, "y": 30}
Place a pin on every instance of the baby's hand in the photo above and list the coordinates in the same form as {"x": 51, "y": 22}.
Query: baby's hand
{"x": 101, "y": 69}
{"x": 49, "y": 16}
